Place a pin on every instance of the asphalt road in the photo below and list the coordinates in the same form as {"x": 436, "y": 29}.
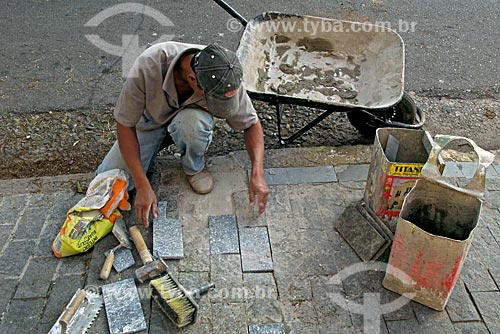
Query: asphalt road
{"x": 47, "y": 63}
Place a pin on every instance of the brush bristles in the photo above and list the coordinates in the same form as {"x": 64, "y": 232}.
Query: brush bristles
{"x": 175, "y": 299}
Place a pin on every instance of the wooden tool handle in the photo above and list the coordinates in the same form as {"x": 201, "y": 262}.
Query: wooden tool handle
{"x": 140, "y": 245}
{"x": 71, "y": 309}
{"x": 106, "y": 268}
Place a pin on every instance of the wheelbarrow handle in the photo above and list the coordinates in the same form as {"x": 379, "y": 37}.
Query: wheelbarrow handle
{"x": 232, "y": 11}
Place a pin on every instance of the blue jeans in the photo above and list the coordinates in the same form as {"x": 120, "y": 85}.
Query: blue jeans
{"x": 191, "y": 130}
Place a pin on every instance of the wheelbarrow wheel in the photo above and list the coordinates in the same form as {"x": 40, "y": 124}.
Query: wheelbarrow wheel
{"x": 404, "y": 114}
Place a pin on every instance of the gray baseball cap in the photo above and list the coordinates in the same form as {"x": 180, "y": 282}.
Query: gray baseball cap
{"x": 219, "y": 74}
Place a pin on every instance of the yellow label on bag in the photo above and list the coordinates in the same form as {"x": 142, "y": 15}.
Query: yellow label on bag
{"x": 409, "y": 170}
{"x": 73, "y": 240}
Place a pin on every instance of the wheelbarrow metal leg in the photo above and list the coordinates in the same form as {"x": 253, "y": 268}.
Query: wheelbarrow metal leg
{"x": 300, "y": 132}
{"x": 232, "y": 12}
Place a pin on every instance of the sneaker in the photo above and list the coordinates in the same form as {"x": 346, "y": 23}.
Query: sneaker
{"x": 202, "y": 182}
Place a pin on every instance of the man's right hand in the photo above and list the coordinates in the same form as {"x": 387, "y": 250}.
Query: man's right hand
{"x": 145, "y": 200}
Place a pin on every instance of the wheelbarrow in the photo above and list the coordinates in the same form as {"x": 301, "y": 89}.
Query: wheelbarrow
{"x": 328, "y": 64}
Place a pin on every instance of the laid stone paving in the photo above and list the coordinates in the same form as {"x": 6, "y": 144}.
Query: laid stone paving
{"x": 273, "y": 274}
{"x": 255, "y": 249}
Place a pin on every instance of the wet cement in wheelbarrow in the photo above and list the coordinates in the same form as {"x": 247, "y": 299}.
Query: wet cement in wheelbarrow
{"x": 310, "y": 67}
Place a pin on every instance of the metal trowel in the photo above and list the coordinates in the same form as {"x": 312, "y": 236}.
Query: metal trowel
{"x": 120, "y": 254}
{"x": 79, "y": 314}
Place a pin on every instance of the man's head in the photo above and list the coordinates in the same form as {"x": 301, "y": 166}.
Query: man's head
{"x": 219, "y": 74}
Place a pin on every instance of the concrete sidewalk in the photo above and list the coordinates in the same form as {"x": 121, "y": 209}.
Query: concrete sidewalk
{"x": 272, "y": 274}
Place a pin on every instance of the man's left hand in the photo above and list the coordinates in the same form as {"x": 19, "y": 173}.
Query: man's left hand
{"x": 258, "y": 187}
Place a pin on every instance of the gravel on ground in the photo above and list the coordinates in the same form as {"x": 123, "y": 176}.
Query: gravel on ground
{"x": 75, "y": 141}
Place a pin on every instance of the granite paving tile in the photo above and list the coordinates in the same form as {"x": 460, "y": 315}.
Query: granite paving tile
{"x": 488, "y": 304}
{"x": 492, "y": 199}
{"x": 298, "y": 175}
{"x": 468, "y": 168}
{"x": 403, "y": 313}
{"x": 12, "y": 208}
{"x": 225, "y": 184}
{"x": 496, "y": 166}
{"x": 162, "y": 209}
{"x": 274, "y": 176}
{"x": 15, "y": 256}
{"x": 63, "y": 202}
{"x": 491, "y": 173}
{"x": 362, "y": 232}
{"x": 37, "y": 278}
{"x": 460, "y": 306}
{"x": 334, "y": 330}
{"x": 74, "y": 265}
{"x": 294, "y": 252}
{"x": 223, "y": 235}
{"x": 196, "y": 250}
{"x": 485, "y": 246}
{"x": 124, "y": 259}
{"x": 63, "y": 288}
{"x": 275, "y": 328}
{"x": 278, "y": 201}
{"x": 317, "y": 174}
{"x": 41, "y": 201}
{"x": 226, "y": 274}
{"x": 495, "y": 274}
{"x": 424, "y": 326}
{"x": 452, "y": 170}
{"x": 331, "y": 313}
{"x": 5, "y": 233}
{"x": 167, "y": 238}
{"x": 431, "y": 319}
{"x": 352, "y": 172}
{"x": 470, "y": 328}
{"x": 260, "y": 285}
{"x": 7, "y": 289}
{"x": 303, "y": 199}
{"x": 13, "y": 203}
{"x": 22, "y": 316}
{"x": 121, "y": 298}
{"x": 30, "y": 224}
{"x": 263, "y": 311}
{"x": 255, "y": 249}
{"x": 229, "y": 318}
{"x": 408, "y": 326}
{"x": 493, "y": 184}
{"x": 293, "y": 287}
{"x": 193, "y": 209}
{"x": 475, "y": 274}
{"x": 51, "y": 228}
{"x": 300, "y": 315}
{"x": 364, "y": 288}
{"x": 361, "y": 325}
{"x": 247, "y": 215}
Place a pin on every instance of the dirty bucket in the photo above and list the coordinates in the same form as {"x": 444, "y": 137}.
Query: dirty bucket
{"x": 398, "y": 156}
{"x": 435, "y": 230}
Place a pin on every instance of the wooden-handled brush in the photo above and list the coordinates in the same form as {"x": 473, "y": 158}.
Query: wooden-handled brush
{"x": 177, "y": 303}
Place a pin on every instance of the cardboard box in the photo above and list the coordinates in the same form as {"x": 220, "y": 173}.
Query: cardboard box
{"x": 397, "y": 160}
